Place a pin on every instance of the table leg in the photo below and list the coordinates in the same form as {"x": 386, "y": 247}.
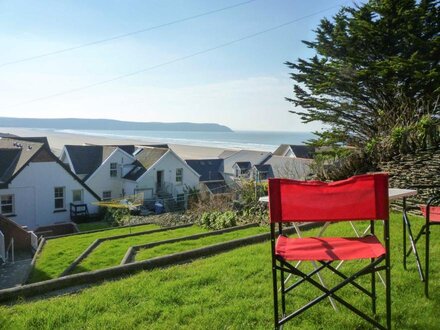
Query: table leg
{"x": 407, "y": 224}
{"x": 404, "y": 235}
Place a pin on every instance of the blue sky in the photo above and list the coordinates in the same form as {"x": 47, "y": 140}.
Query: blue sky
{"x": 242, "y": 86}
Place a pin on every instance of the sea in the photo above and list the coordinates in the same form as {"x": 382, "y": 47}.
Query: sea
{"x": 253, "y": 140}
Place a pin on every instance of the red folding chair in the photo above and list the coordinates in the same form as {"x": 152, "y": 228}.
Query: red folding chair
{"x": 432, "y": 218}
{"x": 363, "y": 197}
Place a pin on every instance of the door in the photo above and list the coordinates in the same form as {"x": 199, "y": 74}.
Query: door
{"x": 159, "y": 180}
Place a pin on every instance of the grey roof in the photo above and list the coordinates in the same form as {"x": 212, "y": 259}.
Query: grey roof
{"x": 86, "y": 159}
{"x": 209, "y": 169}
{"x": 218, "y": 187}
{"x": 227, "y": 153}
{"x": 150, "y": 155}
{"x": 263, "y": 167}
{"x": 300, "y": 151}
{"x": 289, "y": 167}
{"x": 136, "y": 172}
{"x": 7, "y": 135}
{"x": 14, "y": 155}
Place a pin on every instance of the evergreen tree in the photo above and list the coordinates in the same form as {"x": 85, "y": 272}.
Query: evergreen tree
{"x": 369, "y": 59}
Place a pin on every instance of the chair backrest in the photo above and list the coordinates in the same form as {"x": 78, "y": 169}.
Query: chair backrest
{"x": 362, "y": 197}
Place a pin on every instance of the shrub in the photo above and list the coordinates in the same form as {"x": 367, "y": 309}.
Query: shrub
{"x": 218, "y": 220}
{"x": 116, "y": 216}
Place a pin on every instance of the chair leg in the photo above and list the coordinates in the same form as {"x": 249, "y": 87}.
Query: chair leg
{"x": 427, "y": 261}
{"x": 373, "y": 290}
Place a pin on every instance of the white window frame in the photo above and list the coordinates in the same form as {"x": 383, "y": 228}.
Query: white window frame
{"x": 179, "y": 176}
{"x": 11, "y": 204}
{"x": 62, "y": 197}
{"x": 113, "y": 170}
{"x": 81, "y": 200}
{"x": 107, "y": 192}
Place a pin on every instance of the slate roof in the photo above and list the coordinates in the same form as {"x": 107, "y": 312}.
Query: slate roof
{"x": 86, "y": 159}
{"x": 208, "y": 169}
{"x": 147, "y": 156}
{"x": 14, "y": 155}
{"x": 219, "y": 187}
{"x": 289, "y": 167}
{"x": 263, "y": 167}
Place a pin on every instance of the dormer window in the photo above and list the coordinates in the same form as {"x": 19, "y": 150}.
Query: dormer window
{"x": 113, "y": 170}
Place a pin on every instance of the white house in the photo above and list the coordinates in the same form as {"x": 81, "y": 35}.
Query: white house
{"x": 212, "y": 181}
{"x": 36, "y": 189}
{"x": 100, "y": 167}
{"x": 237, "y": 164}
{"x": 281, "y": 167}
{"x": 295, "y": 151}
{"x": 160, "y": 173}
{"x": 117, "y": 171}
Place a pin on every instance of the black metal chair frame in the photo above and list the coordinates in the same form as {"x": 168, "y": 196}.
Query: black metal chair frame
{"x": 425, "y": 230}
{"x": 283, "y": 266}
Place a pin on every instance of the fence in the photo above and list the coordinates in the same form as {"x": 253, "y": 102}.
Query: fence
{"x": 34, "y": 240}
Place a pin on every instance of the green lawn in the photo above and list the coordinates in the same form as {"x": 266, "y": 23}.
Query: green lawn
{"x": 58, "y": 253}
{"x": 197, "y": 243}
{"x": 92, "y": 225}
{"x": 228, "y": 291}
{"x": 110, "y": 253}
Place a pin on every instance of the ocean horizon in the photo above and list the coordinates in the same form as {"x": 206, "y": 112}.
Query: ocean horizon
{"x": 253, "y": 140}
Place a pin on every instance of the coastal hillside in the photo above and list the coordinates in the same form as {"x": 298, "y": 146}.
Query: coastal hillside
{"x": 108, "y": 124}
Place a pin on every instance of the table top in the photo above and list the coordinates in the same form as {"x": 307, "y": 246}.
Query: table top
{"x": 393, "y": 194}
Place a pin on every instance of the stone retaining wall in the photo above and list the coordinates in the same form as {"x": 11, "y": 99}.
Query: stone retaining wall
{"x": 420, "y": 171}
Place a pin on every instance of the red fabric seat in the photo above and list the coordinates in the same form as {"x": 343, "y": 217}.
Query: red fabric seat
{"x": 434, "y": 213}
{"x": 329, "y": 248}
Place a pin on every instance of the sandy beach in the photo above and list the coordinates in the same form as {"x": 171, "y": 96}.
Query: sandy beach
{"x": 57, "y": 140}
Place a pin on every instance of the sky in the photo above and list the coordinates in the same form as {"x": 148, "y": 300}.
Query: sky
{"x": 243, "y": 85}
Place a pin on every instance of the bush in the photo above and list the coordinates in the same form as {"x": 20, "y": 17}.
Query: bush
{"x": 218, "y": 220}
{"x": 116, "y": 216}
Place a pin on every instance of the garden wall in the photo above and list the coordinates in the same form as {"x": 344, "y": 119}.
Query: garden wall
{"x": 420, "y": 171}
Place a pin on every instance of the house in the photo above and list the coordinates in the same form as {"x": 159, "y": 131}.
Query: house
{"x": 237, "y": 164}
{"x": 100, "y": 167}
{"x": 242, "y": 169}
{"x": 159, "y": 173}
{"x": 212, "y": 181}
{"x": 296, "y": 151}
{"x": 281, "y": 167}
{"x": 36, "y": 188}
{"x": 116, "y": 171}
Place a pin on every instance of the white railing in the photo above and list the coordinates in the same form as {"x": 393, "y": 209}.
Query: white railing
{"x": 34, "y": 240}
{"x": 10, "y": 248}
{"x": 2, "y": 247}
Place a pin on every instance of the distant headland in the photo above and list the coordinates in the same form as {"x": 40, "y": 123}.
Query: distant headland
{"x": 108, "y": 124}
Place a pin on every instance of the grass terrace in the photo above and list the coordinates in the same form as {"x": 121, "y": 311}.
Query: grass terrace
{"x": 59, "y": 253}
{"x": 232, "y": 290}
{"x": 162, "y": 250}
{"x": 110, "y": 253}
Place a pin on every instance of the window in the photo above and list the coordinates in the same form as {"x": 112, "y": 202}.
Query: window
{"x": 7, "y": 204}
{"x": 179, "y": 175}
{"x": 113, "y": 170}
{"x": 59, "y": 198}
{"x": 106, "y": 195}
{"x": 77, "y": 196}
{"x": 263, "y": 175}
